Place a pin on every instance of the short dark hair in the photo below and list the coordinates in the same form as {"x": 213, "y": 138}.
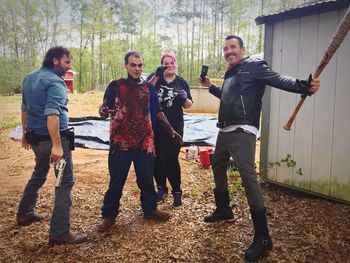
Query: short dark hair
{"x": 131, "y": 53}
{"x": 54, "y": 52}
{"x": 240, "y": 41}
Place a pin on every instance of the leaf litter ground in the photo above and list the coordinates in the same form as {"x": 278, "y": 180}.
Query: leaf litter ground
{"x": 304, "y": 228}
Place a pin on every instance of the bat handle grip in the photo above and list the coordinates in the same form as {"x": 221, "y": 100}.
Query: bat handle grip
{"x": 289, "y": 123}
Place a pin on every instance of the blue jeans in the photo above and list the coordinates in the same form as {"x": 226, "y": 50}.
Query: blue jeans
{"x": 60, "y": 220}
{"x": 119, "y": 164}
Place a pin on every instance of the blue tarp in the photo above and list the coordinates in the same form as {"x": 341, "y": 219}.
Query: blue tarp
{"x": 93, "y": 132}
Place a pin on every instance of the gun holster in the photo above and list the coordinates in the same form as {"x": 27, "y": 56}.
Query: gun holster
{"x": 71, "y": 138}
{"x": 34, "y": 139}
{"x": 30, "y": 137}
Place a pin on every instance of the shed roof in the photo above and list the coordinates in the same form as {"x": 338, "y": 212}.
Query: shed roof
{"x": 303, "y": 10}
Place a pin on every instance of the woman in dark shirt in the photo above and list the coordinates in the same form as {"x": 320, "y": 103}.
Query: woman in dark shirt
{"x": 174, "y": 95}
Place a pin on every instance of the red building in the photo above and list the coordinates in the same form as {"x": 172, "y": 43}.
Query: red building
{"x": 69, "y": 80}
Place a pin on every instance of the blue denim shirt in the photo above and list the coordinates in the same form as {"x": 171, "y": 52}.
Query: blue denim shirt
{"x": 44, "y": 93}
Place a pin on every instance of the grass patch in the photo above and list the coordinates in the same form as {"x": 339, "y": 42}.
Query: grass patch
{"x": 10, "y": 111}
{"x": 194, "y": 192}
{"x": 14, "y": 99}
{"x": 84, "y": 102}
{"x": 9, "y": 122}
{"x": 235, "y": 181}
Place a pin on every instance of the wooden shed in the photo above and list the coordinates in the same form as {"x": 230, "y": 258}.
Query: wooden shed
{"x": 314, "y": 156}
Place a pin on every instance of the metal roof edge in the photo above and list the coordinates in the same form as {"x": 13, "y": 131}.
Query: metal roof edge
{"x": 302, "y": 11}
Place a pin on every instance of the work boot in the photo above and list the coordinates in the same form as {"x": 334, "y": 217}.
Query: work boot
{"x": 262, "y": 240}
{"x": 105, "y": 224}
{"x": 177, "y": 198}
{"x": 68, "y": 238}
{"x": 158, "y": 214}
{"x": 162, "y": 192}
{"x": 218, "y": 215}
{"x": 29, "y": 219}
{"x": 223, "y": 209}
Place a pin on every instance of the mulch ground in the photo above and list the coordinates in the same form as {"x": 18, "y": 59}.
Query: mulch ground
{"x": 303, "y": 228}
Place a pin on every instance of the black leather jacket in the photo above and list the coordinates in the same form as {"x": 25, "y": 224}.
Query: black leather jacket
{"x": 243, "y": 88}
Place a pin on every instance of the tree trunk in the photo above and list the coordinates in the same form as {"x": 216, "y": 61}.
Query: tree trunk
{"x": 93, "y": 76}
{"x": 14, "y": 31}
{"x": 28, "y": 56}
{"x": 187, "y": 41}
{"x": 248, "y": 29}
{"x": 221, "y": 32}
{"x": 201, "y": 35}
{"x": 260, "y": 40}
{"x": 81, "y": 57}
{"x": 192, "y": 40}
{"x": 100, "y": 68}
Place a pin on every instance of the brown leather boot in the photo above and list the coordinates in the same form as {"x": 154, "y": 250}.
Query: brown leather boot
{"x": 68, "y": 238}
{"x": 158, "y": 214}
{"x": 27, "y": 220}
{"x": 105, "y": 224}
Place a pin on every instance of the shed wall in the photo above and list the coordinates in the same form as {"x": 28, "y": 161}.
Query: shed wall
{"x": 203, "y": 101}
{"x": 318, "y": 141}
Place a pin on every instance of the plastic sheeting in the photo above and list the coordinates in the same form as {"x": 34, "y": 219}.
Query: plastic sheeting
{"x": 93, "y": 132}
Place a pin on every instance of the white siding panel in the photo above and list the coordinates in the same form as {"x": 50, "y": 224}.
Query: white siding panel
{"x": 291, "y": 31}
{"x": 303, "y": 123}
{"x": 274, "y": 101}
{"x": 340, "y": 172}
{"x": 324, "y": 110}
{"x": 319, "y": 141}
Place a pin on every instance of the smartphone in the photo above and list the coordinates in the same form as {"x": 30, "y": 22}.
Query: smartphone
{"x": 204, "y": 72}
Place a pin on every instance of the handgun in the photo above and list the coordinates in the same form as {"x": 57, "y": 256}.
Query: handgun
{"x": 59, "y": 169}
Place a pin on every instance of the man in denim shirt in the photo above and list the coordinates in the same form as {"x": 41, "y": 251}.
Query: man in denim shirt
{"x": 44, "y": 124}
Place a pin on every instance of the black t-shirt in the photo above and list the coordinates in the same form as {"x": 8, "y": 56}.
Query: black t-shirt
{"x": 170, "y": 103}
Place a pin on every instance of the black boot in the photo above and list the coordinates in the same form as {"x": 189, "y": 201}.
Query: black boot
{"x": 162, "y": 192}
{"x": 177, "y": 198}
{"x": 223, "y": 209}
{"x": 262, "y": 240}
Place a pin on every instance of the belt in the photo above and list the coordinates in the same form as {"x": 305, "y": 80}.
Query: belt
{"x": 239, "y": 129}
{"x": 223, "y": 124}
{"x": 46, "y": 137}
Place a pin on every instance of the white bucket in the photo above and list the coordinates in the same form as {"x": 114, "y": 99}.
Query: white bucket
{"x": 193, "y": 152}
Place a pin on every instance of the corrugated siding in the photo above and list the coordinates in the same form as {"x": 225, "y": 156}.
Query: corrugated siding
{"x": 340, "y": 169}
{"x": 318, "y": 141}
{"x": 324, "y": 110}
{"x": 303, "y": 126}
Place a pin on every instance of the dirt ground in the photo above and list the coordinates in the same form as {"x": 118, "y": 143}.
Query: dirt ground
{"x": 303, "y": 228}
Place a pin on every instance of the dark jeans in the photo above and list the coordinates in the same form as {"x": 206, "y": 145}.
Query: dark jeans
{"x": 60, "y": 221}
{"x": 119, "y": 164}
{"x": 167, "y": 158}
{"x": 241, "y": 146}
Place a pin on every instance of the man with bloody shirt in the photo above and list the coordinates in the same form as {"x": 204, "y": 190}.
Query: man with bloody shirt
{"x": 132, "y": 105}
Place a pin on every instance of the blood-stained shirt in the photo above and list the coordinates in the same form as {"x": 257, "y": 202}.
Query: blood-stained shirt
{"x": 132, "y": 107}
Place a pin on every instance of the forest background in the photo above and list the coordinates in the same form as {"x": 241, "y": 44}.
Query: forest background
{"x": 100, "y": 32}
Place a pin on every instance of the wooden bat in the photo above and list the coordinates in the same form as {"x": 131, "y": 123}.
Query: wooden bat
{"x": 337, "y": 39}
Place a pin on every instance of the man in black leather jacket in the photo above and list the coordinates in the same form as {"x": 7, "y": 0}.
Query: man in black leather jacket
{"x": 238, "y": 120}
